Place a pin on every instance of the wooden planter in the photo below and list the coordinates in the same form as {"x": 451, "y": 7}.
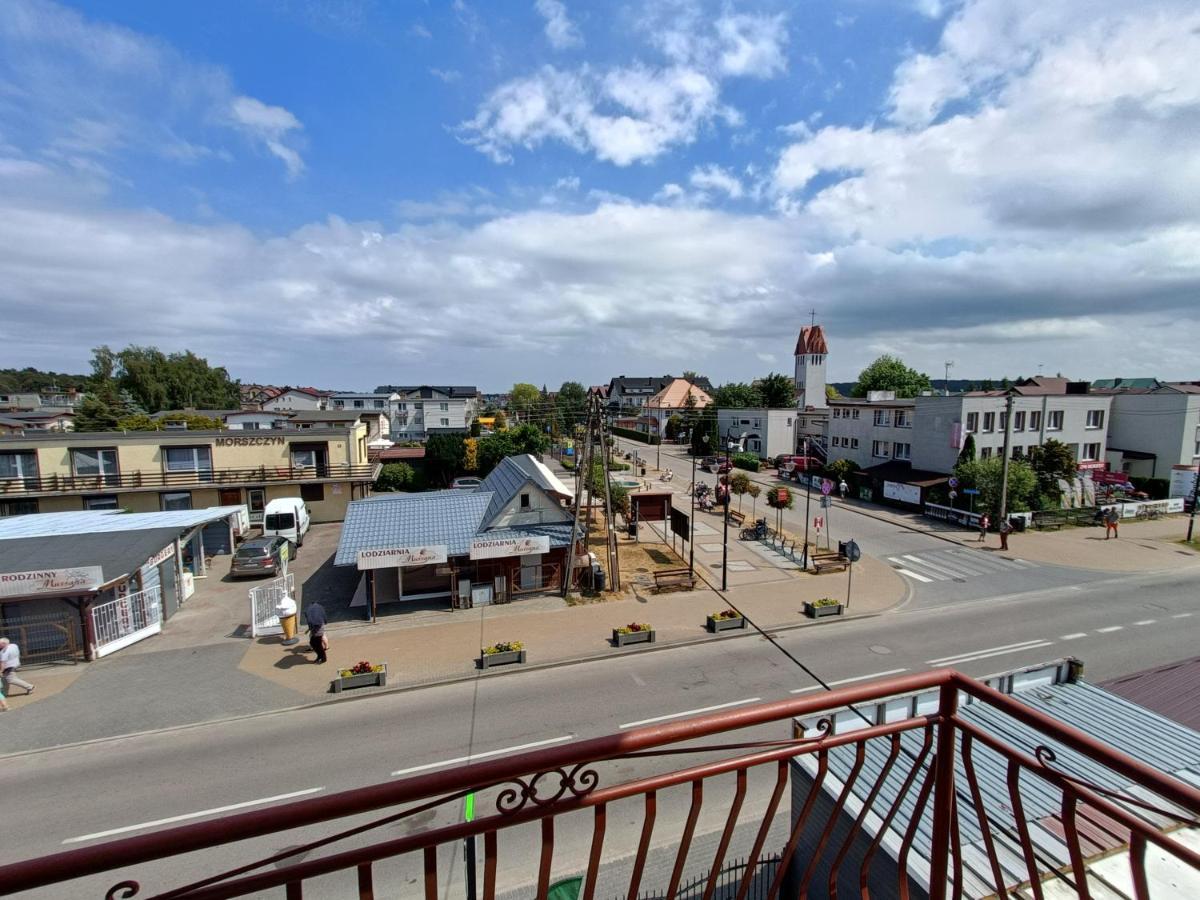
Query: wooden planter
{"x": 368, "y": 679}
{"x": 715, "y": 625}
{"x": 633, "y": 637}
{"x": 819, "y": 612}
{"x": 488, "y": 660}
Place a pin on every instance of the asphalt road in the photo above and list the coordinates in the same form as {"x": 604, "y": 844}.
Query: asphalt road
{"x": 71, "y": 796}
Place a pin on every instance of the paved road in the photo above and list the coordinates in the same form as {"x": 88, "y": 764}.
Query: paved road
{"x": 1116, "y": 625}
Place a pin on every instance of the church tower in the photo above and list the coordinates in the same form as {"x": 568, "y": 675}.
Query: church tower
{"x": 811, "y": 351}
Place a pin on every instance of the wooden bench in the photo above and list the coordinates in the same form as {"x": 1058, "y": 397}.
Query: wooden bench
{"x": 736, "y": 517}
{"x": 664, "y": 578}
{"x": 828, "y": 561}
{"x": 1052, "y": 521}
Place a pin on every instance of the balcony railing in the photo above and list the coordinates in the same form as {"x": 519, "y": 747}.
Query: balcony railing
{"x": 886, "y": 810}
{"x": 129, "y": 481}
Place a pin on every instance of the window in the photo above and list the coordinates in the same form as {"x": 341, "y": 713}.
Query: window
{"x": 339, "y": 404}
{"x": 94, "y": 462}
{"x": 188, "y": 459}
{"x": 903, "y": 420}
{"x": 837, "y": 413}
{"x": 879, "y": 449}
{"x": 744, "y": 422}
{"x": 854, "y": 414}
{"x": 18, "y": 464}
{"x": 1091, "y": 451}
{"x": 445, "y": 423}
{"x": 989, "y": 422}
{"x": 444, "y": 407}
{"x": 1016, "y": 452}
{"x": 1004, "y": 420}
{"x": 985, "y": 453}
{"x": 524, "y": 501}
{"x": 358, "y": 404}
{"x": 757, "y": 424}
{"x": 18, "y": 507}
{"x": 972, "y": 421}
{"x": 883, "y": 417}
{"x": 1035, "y": 420}
{"x": 402, "y": 406}
{"x": 176, "y": 500}
{"x": 251, "y": 426}
{"x": 1019, "y": 421}
{"x": 802, "y": 422}
{"x": 837, "y": 441}
{"x": 901, "y": 451}
{"x": 104, "y": 501}
{"x": 1054, "y": 420}
{"x": 311, "y": 493}
{"x": 304, "y": 457}
{"x": 379, "y": 404}
{"x": 1095, "y": 418}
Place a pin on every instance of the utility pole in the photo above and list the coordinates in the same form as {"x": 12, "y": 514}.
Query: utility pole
{"x": 728, "y": 494}
{"x": 807, "y": 502}
{"x": 1008, "y": 420}
{"x": 614, "y": 567}
{"x": 1195, "y": 500}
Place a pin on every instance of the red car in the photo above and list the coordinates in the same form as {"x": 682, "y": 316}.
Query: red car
{"x": 790, "y": 464}
{"x": 725, "y": 467}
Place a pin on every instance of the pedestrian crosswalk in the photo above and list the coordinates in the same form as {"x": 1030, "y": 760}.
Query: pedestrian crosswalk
{"x": 957, "y": 564}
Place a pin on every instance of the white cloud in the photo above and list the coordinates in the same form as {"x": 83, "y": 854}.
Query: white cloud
{"x": 446, "y": 76}
{"x": 714, "y": 178}
{"x": 272, "y": 126}
{"x": 420, "y": 31}
{"x": 752, "y": 45}
{"x": 560, "y": 30}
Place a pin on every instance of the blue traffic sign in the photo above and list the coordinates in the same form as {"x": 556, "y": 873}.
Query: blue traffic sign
{"x": 953, "y": 482}
{"x": 970, "y": 491}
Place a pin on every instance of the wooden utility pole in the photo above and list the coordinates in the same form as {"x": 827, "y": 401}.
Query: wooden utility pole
{"x": 1008, "y": 422}
{"x": 595, "y": 433}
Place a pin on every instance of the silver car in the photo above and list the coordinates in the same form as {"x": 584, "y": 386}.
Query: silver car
{"x": 261, "y": 556}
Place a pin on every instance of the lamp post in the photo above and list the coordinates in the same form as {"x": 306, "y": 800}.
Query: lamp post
{"x": 692, "y": 521}
{"x": 807, "y": 502}
{"x": 725, "y": 531}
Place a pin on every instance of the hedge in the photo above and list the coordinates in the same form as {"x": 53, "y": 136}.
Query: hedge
{"x": 747, "y": 461}
{"x": 1157, "y": 488}
{"x": 635, "y": 435}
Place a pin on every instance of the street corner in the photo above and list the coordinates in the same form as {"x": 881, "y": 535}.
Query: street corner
{"x": 47, "y": 682}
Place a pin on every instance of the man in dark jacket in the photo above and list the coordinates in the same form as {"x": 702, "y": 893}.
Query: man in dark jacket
{"x": 314, "y": 618}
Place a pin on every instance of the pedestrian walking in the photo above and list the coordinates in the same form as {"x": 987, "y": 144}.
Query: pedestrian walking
{"x": 10, "y": 661}
{"x": 984, "y": 524}
{"x": 1006, "y": 528}
{"x": 1112, "y": 519}
{"x": 314, "y": 618}
{"x": 843, "y": 488}
{"x": 3, "y": 702}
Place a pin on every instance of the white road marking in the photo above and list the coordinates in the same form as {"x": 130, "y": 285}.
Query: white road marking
{"x": 938, "y": 572}
{"x": 989, "y": 651}
{"x": 817, "y": 687}
{"x": 1109, "y": 628}
{"x": 914, "y": 575}
{"x": 1181, "y": 615}
{"x": 1146, "y": 622}
{"x": 477, "y": 756}
{"x": 636, "y": 680}
{"x": 196, "y": 815}
{"x": 690, "y": 712}
{"x": 979, "y": 656}
{"x": 1073, "y": 637}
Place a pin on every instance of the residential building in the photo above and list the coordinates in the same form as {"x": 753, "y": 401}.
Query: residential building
{"x": 1152, "y": 429}
{"x": 296, "y": 398}
{"x": 1043, "y": 409}
{"x": 52, "y": 398}
{"x": 626, "y": 392}
{"x": 671, "y": 400}
{"x": 383, "y": 402}
{"x": 149, "y": 470}
{"x": 871, "y": 430}
{"x": 422, "y": 410}
{"x": 765, "y": 432}
{"x": 46, "y": 419}
{"x": 508, "y": 537}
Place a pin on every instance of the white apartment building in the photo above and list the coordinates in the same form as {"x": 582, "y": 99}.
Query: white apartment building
{"x": 767, "y": 432}
{"x": 421, "y": 410}
{"x": 290, "y": 399}
{"x": 871, "y": 430}
{"x": 1152, "y": 431}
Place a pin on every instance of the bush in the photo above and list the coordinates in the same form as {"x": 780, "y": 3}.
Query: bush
{"x": 503, "y": 647}
{"x": 727, "y": 614}
{"x": 634, "y": 628}
{"x": 747, "y": 461}
{"x": 1157, "y": 488}
{"x": 397, "y": 476}
{"x": 634, "y": 435}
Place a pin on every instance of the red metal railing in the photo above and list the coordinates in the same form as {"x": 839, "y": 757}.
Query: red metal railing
{"x": 886, "y": 809}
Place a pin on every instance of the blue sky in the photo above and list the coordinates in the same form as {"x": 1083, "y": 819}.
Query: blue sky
{"x": 348, "y": 192}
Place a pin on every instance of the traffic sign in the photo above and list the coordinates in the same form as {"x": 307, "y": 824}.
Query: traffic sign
{"x": 818, "y": 523}
{"x": 826, "y": 502}
{"x": 852, "y": 552}
{"x": 953, "y": 482}
{"x": 826, "y": 487}
{"x": 970, "y": 491}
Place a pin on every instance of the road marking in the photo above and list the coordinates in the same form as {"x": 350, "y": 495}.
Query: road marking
{"x": 1146, "y": 622}
{"x": 1109, "y": 628}
{"x": 938, "y": 572}
{"x": 637, "y": 680}
{"x": 987, "y": 651}
{"x": 1181, "y": 615}
{"x": 817, "y": 687}
{"x": 914, "y": 575}
{"x": 477, "y": 756}
{"x": 196, "y": 815}
{"x": 1073, "y": 637}
{"x": 690, "y": 712}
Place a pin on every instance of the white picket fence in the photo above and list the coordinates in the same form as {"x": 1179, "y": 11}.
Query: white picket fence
{"x": 125, "y": 620}
{"x": 263, "y": 600}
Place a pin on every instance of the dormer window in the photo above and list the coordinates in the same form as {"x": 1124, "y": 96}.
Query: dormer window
{"x": 524, "y": 501}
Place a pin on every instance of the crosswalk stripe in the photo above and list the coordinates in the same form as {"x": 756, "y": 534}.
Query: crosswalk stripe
{"x": 936, "y": 568}
{"x": 912, "y": 574}
{"x": 933, "y": 575}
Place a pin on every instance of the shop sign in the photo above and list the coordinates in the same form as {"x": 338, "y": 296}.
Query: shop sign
{"x": 162, "y": 555}
{"x": 484, "y": 548}
{"x": 905, "y": 493}
{"x": 1094, "y": 465}
{"x": 265, "y": 441}
{"x": 51, "y": 581}
{"x": 394, "y": 557}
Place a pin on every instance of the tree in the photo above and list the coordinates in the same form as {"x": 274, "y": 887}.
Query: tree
{"x": 736, "y": 395}
{"x": 689, "y": 376}
{"x": 777, "y": 391}
{"x": 754, "y": 490}
{"x": 501, "y": 420}
{"x": 704, "y": 436}
{"x": 493, "y": 448}
{"x": 529, "y": 438}
{"x": 1052, "y": 462}
{"x": 445, "y": 455}
{"x": 572, "y": 401}
{"x": 524, "y": 399}
{"x": 475, "y": 427}
{"x": 831, "y": 393}
{"x": 987, "y": 476}
{"x": 888, "y": 373}
{"x": 93, "y": 414}
{"x": 143, "y": 422}
{"x": 967, "y": 453}
{"x": 841, "y": 469}
{"x": 156, "y": 381}
{"x": 471, "y": 454}
{"x": 739, "y": 483}
{"x": 673, "y": 426}
{"x": 398, "y": 476}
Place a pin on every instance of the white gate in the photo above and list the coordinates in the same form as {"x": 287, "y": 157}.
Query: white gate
{"x": 125, "y": 620}
{"x": 263, "y": 600}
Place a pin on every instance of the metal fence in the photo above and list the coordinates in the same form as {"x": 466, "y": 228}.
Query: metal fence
{"x": 727, "y": 884}
{"x": 126, "y": 620}
{"x": 46, "y": 638}
{"x": 263, "y": 600}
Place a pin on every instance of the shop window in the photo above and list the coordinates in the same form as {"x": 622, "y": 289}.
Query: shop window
{"x": 18, "y": 507}
{"x": 176, "y": 500}
{"x": 104, "y": 501}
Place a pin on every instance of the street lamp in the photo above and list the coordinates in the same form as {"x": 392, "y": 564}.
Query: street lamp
{"x": 692, "y": 524}
{"x": 725, "y": 533}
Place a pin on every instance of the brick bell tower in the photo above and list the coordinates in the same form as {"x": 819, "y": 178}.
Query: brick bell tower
{"x": 811, "y": 351}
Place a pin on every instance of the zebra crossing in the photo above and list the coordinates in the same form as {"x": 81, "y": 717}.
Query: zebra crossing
{"x": 957, "y": 564}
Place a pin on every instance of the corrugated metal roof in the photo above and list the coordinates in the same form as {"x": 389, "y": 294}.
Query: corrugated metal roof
{"x": 116, "y": 554}
{"x": 452, "y": 518}
{"x": 512, "y": 474}
{"x": 87, "y": 521}
{"x": 1172, "y": 691}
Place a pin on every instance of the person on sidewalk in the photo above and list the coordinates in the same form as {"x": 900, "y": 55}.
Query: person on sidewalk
{"x": 314, "y": 618}
{"x": 10, "y": 661}
{"x": 1006, "y": 528}
{"x": 843, "y": 488}
{"x": 1111, "y": 520}
{"x": 984, "y": 524}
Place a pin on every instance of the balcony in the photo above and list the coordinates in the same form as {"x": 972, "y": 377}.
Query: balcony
{"x": 195, "y": 478}
{"x": 964, "y": 791}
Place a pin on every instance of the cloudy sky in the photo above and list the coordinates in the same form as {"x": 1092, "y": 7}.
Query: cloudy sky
{"x": 349, "y": 192}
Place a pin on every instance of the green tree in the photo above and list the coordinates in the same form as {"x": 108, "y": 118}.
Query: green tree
{"x": 673, "y": 426}
{"x": 398, "y": 476}
{"x": 706, "y": 428}
{"x": 888, "y": 373}
{"x": 572, "y": 401}
{"x": 143, "y": 422}
{"x": 739, "y": 483}
{"x": 524, "y": 399}
{"x": 1051, "y": 462}
{"x": 967, "y": 453}
{"x": 528, "y": 438}
{"x": 501, "y": 420}
{"x": 841, "y": 469}
{"x": 754, "y": 490}
{"x": 156, "y": 381}
{"x": 493, "y": 448}
{"x": 987, "y": 476}
{"x": 831, "y": 393}
{"x": 736, "y": 395}
{"x": 445, "y": 455}
{"x": 94, "y": 414}
{"x": 777, "y": 391}
{"x": 475, "y": 427}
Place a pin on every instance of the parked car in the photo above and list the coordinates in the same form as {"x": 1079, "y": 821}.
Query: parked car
{"x": 789, "y": 463}
{"x": 466, "y": 483}
{"x": 709, "y": 463}
{"x": 725, "y": 467}
{"x": 286, "y": 517}
{"x": 261, "y": 556}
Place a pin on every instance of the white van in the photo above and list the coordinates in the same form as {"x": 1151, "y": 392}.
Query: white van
{"x": 286, "y": 517}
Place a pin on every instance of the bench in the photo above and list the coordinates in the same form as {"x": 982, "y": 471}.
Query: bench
{"x": 735, "y": 517}
{"x": 1051, "y": 521}
{"x": 827, "y": 561}
{"x": 664, "y": 578}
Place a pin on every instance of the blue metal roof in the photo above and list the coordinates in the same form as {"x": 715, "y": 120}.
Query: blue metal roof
{"x": 511, "y": 475}
{"x": 91, "y": 521}
{"x": 452, "y": 518}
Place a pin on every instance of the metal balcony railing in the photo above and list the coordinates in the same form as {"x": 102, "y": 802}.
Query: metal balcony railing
{"x": 889, "y": 809}
{"x": 126, "y": 481}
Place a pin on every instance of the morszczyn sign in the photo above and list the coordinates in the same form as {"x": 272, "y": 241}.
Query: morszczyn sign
{"x": 483, "y": 548}
{"x": 265, "y": 441}
{"x": 391, "y": 557}
{"x": 51, "y": 581}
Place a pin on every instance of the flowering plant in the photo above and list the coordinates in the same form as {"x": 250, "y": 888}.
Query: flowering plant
{"x": 826, "y": 601}
{"x": 362, "y": 667}
{"x": 503, "y": 647}
{"x": 634, "y": 627}
{"x": 727, "y": 614}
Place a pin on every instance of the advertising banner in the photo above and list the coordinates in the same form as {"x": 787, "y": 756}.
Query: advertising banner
{"x": 485, "y": 548}
{"x": 51, "y": 581}
{"x": 394, "y": 557}
{"x": 905, "y": 493}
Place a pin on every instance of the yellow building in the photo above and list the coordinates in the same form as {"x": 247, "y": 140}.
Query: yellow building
{"x": 151, "y": 470}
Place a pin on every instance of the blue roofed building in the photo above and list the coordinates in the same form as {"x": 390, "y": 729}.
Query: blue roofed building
{"x": 510, "y": 536}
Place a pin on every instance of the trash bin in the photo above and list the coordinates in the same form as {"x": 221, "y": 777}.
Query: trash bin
{"x": 598, "y": 578}
{"x": 633, "y": 529}
{"x": 288, "y": 613}
{"x": 1017, "y": 522}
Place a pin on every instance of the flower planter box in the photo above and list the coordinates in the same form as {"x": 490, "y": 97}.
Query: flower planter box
{"x": 504, "y": 658}
{"x": 819, "y": 612}
{"x": 368, "y": 679}
{"x": 715, "y": 625}
{"x": 633, "y": 637}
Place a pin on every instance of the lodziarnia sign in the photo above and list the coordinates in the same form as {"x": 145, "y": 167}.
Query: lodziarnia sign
{"x": 491, "y": 548}
{"x": 392, "y": 557}
{"x": 51, "y": 581}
